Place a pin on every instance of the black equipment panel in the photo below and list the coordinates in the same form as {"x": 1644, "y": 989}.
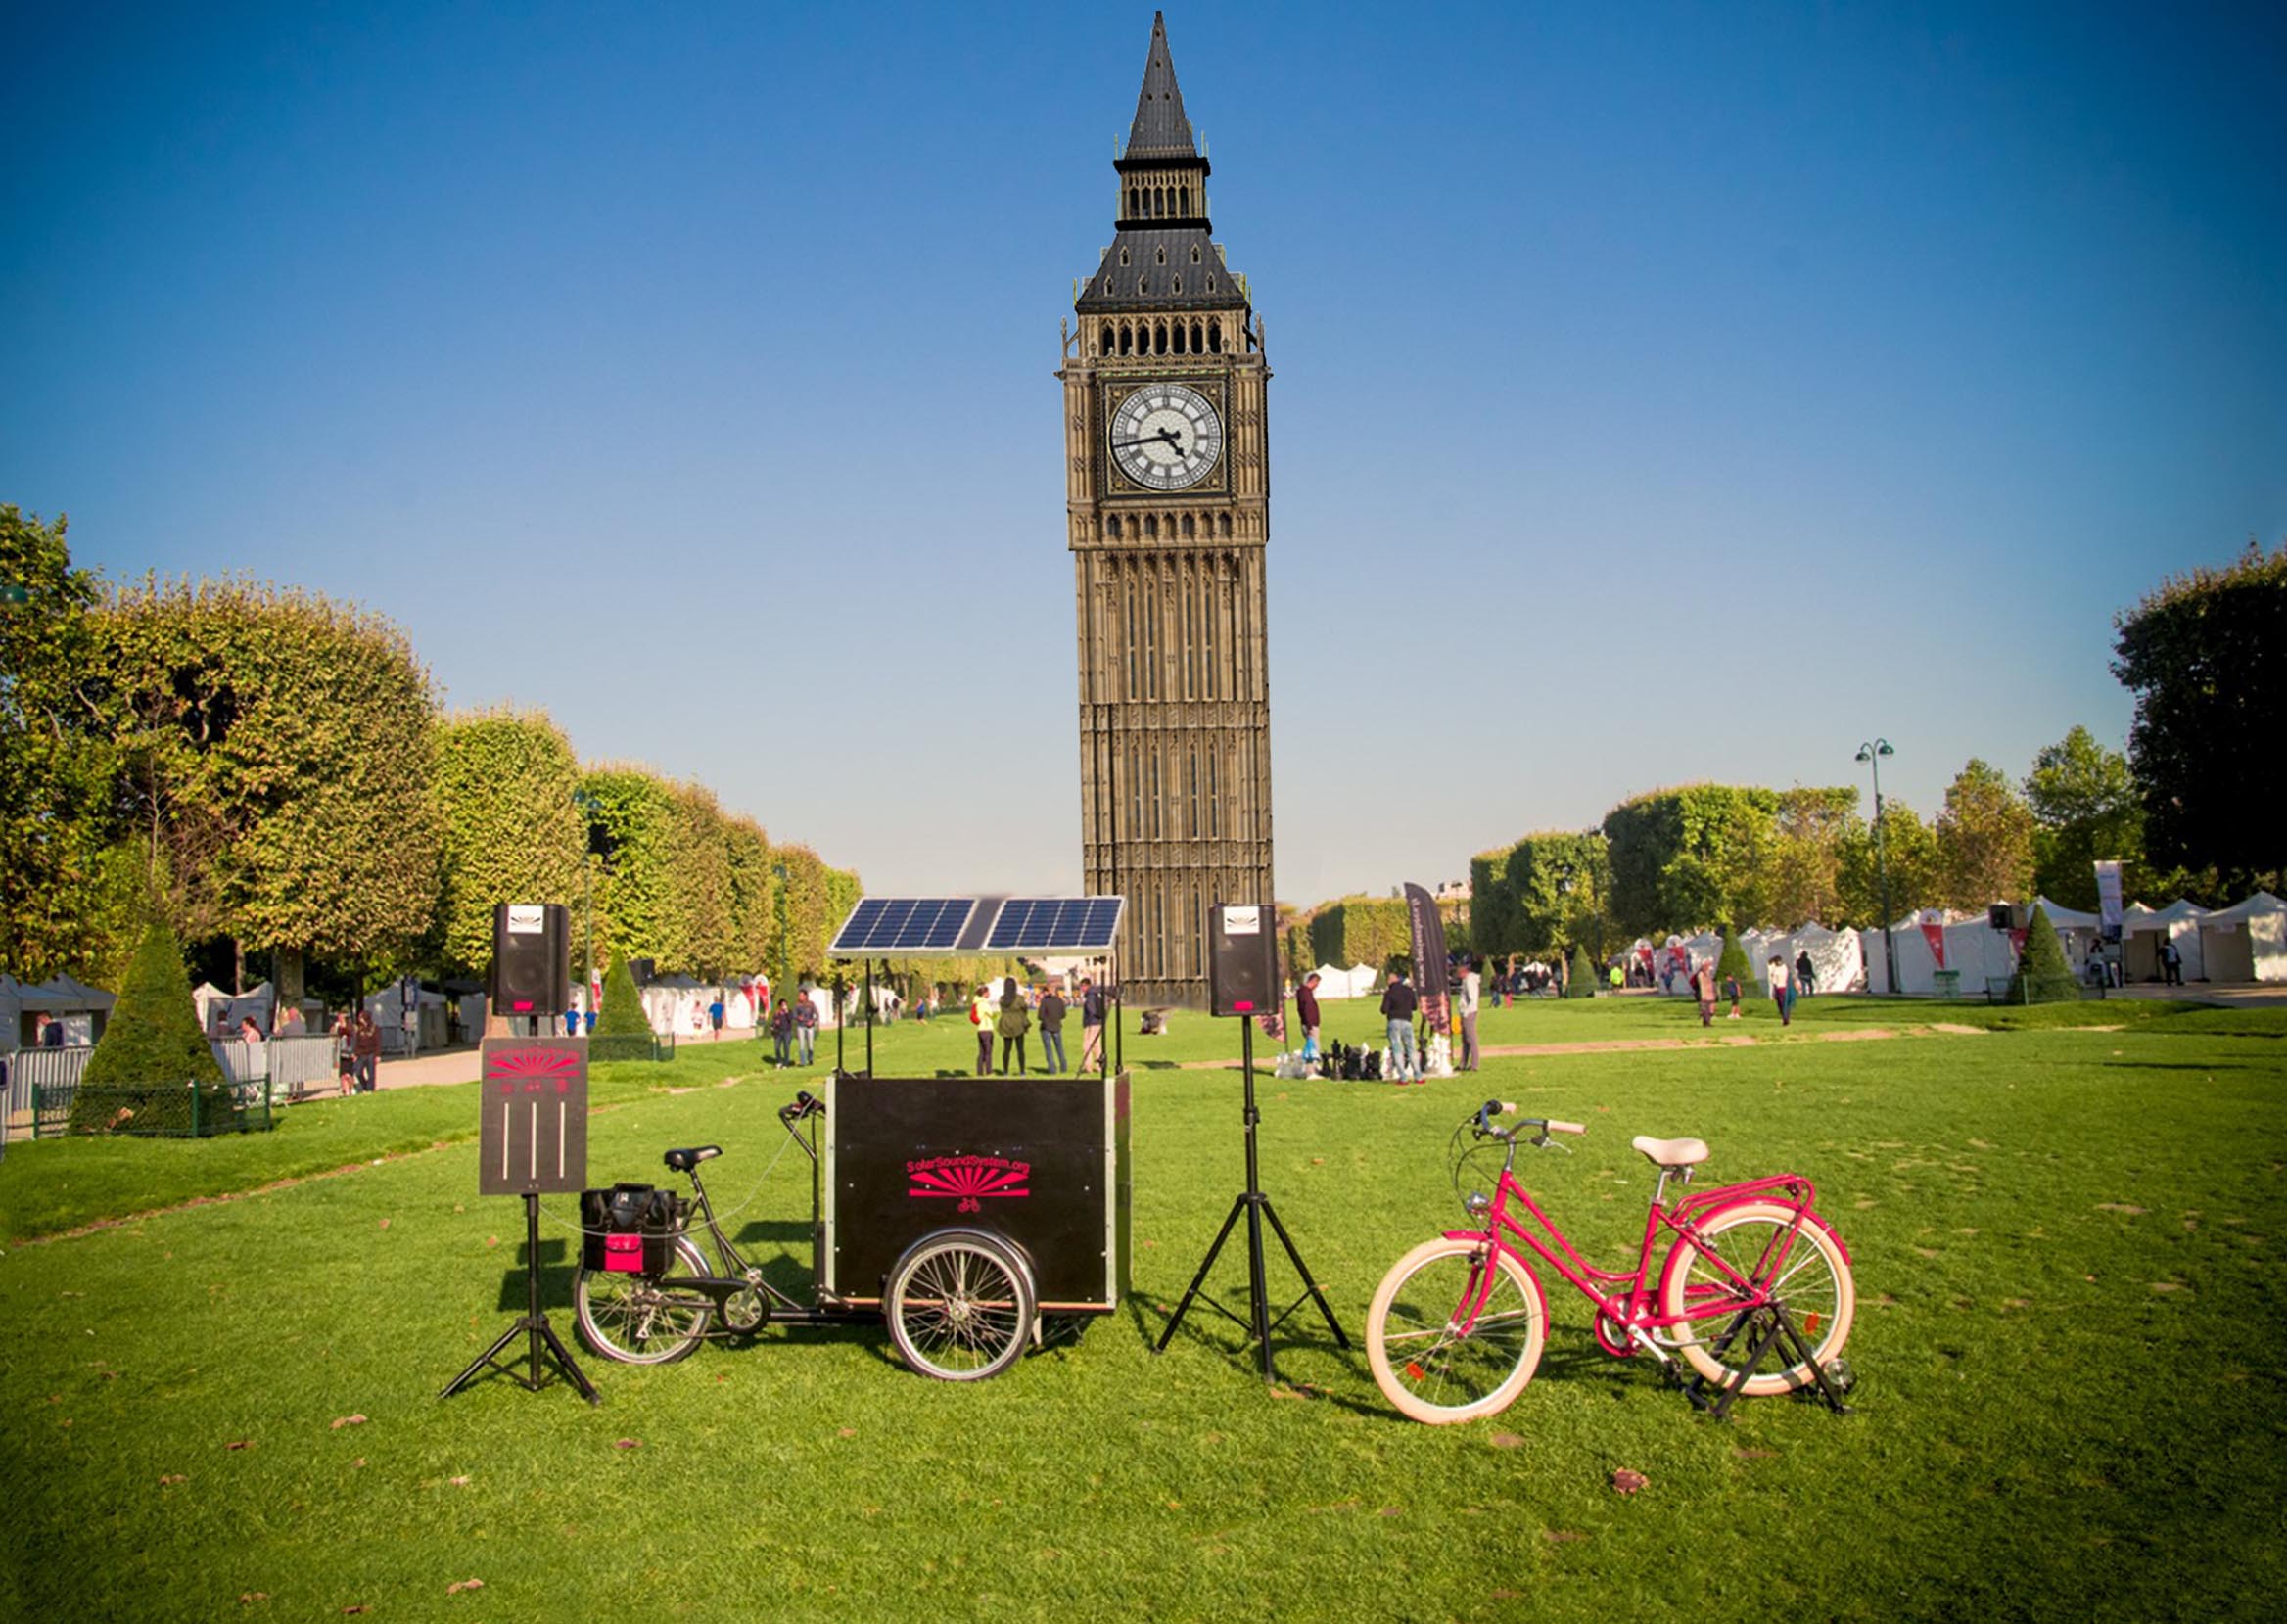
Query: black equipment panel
{"x": 1039, "y": 1162}
{"x": 1242, "y": 960}
{"x": 532, "y": 959}
{"x": 533, "y": 1137}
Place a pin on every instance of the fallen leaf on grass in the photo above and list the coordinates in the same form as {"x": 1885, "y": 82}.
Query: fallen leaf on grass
{"x": 385, "y": 1222}
{"x": 2122, "y": 1206}
{"x": 460, "y": 1483}
{"x": 492, "y": 1240}
{"x": 1561, "y": 1536}
{"x": 1506, "y": 1595}
{"x": 340, "y": 1421}
{"x": 359, "y": 1462}
{"x": 172, "y": 1477}
{"x": 1392, "y": 1511}
{"x": 1756, "y": 1454}
{"x": 849, "y": 1432}
{"x": 628, "y": 1443}
{"x": 459, "y": 1585}
{"x": 356, "y": 1606}
{"x": 1628, "y": 1482}
{"x": 247, "y": 1597}
{"x": 2166, "y": 1286}
{"x": 240, "y": 1443}
{"x": 1505, "y": 1440}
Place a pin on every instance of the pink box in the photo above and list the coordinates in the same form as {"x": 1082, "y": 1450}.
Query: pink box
{"x": 623, "y": 1254}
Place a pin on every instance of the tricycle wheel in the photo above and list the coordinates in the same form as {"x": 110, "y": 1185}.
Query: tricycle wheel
{"x": 960, "y": 1306}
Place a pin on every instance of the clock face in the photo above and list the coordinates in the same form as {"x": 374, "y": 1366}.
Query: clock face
{"x": 1166, "y": 436}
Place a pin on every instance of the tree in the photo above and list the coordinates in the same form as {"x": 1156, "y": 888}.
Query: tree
{"x": 1685, "y": 858}
{"x": 1493, "y": 904}
{"x": 2042, "y": 974}
{"x": 152, "y": 1054}
{"x": 68, "y": 894}
{"x": 622, "y": 1013}
{"x": 1985, "y": 840}
{"x": 634, "y": 826}
{"x": 278, "y": 749}
{"x": 2083, "y": 799}
{"x": 2204, "y": 653}
{"x": 1801, "y": 880}
{"x": 1581, "y": 982}
{"x": 511, "y": 831}
{"x": 701, "y": 883}
{"x": 1557, "y": 889}
{"x": 1907, "y": 856}
{"x": 1731, "y": 962}
{"x": 754, "y": 895}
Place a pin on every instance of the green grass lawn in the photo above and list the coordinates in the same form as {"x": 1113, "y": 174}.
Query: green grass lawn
{"x": 2069, "y": 1401}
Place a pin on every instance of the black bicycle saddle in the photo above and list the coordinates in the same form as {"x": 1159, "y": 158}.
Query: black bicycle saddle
{"x": 683, "y": 1161}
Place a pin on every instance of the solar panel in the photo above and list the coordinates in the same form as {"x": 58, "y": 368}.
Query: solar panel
{"x": 886, "y": 926}
{"x": 1056, "y": 924}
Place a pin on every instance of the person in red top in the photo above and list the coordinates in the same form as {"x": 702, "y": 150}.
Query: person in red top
{"x": 1306, "y": 1013}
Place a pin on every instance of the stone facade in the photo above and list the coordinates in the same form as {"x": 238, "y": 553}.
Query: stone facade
{"x": 1175, "y": 693}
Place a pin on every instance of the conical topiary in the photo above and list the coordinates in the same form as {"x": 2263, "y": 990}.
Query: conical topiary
{"x": 140, "y": 1076}
{"x": 622, "y": 1013}
{"x": 1732, "y": 961}
{"x": 2042, "y": 975}
{"x": 1582, "y": 982}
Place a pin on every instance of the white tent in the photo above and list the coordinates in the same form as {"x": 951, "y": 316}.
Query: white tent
{"x": 80, "y": 1007}
{"x": 2143, "y": 929}
{"x": 1333, "y": 982}
{"x": 1973, "y": 949}
{"x": 1364, "y": 981}
{"x": 387, "y": 1005}
{"x": 2244, "y": 941}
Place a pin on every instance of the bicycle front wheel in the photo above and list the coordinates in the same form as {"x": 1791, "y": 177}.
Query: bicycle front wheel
{"x": 1427, "y": 1366}
{"x": 645, "y": 1319}
{"x": 1759, "y": 1243}
{"x": 960, "y": 1306}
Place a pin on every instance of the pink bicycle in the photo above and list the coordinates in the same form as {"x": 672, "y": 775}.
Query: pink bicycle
{"x": 1457, "y": 1327}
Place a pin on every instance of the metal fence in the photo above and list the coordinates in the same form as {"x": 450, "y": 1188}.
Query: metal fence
{"x": 156, "y": 1110}
{"x": 42, "y": 1083}
{"x": 654, "y": 1047}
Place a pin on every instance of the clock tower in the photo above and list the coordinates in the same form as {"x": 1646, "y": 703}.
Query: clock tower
{"x": 1167, "y": 481}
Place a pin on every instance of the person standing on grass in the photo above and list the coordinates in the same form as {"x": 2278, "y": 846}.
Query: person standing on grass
{"x": 365, "y": 1044}
{"x": 2172, "y": 963}
{"x": 982, "y": 1011}
{"x": 1806, "y": 974}
{"x": 1465, "y": 1009}
{"x": 1092, "y": 1013}
{"x": 345, "y": 1055}
{"x": 1399, "y": 1001}
{"x": 1704, "y": 989}
{"x": 805, "y": 1025}
{"x": 1782, "y": 988}
{"x": 1306, "y": 1012}
{"x": 782, "y": 1033}
{"x": 1732, "y": 990}
{"x": 1052, "y": 1030}
{"x": 1013, "y": 1023}
{"x": 715, "y": 1013}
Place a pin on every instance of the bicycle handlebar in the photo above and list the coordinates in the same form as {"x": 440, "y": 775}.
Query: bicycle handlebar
{"x": 802, "y": 1104}
{"x": 1501, "y": 1108}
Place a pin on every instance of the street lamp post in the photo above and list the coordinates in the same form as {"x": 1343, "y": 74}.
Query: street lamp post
{"x": 586, "y": 803}
{"x": 1871, "y": 755}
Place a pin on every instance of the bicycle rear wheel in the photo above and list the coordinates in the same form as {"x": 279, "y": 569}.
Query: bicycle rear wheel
{"x": 1759, "y": 1242}
{"x": 960, "y": 1306}
{"x": 1426, "y": 1368}
{"x": 645, "y": 1319}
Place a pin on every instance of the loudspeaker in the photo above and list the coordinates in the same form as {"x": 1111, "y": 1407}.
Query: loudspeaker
{"x": 1242, "y": 962}
{"x": 532, "y": 959}
{"x": 2002, "y": 916}
{"x": 643, "y": 970}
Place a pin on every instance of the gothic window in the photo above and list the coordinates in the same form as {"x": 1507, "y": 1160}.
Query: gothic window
{"x": 1179, "y": 326}
{"x": 1183, "y": 201}
{"x": 1214, "y": 329}
{"x": 1191, "y": 793}
{"x": 1142, "y": 286}
{"x": 1195, "y": 254}
{"x": 1123, "y": 256}
{"x": 1127, "y": 337}
{"x": 1150, "y": 641}
{"x": 1112, "y": 527}
{"x": 1190, "y": 673}
{"x": 1152, "y": 526}
{"x": 1127, "y": 607}
{"x": 1107, "y": 337}
{"x": 1159, "y": 338}
{"x": 1162, "y": 259}
{"x": 1197, "y": 337}
{"x": 1214, "y": 792}
{"x": 1135, "y": 795}
{"x": 1156, "y": 824}
{"x": 1176, "y": 285}
{"x": 1211, "y": 589}
{"x": 1223, "y": 526}
{"x": 1189, "y": 530}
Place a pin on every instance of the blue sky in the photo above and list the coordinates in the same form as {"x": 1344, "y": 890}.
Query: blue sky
{"x": 1662, "y": 392}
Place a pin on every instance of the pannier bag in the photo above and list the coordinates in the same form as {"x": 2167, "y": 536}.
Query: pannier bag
{"x": 629, "y": 1228}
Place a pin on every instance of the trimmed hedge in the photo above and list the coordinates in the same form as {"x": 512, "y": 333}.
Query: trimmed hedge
{"x": 620, "y": 1015}
{"x": 1582, "y": 982}
{"x": 2042, "y": 974}
{"x": 151, "y": 1054}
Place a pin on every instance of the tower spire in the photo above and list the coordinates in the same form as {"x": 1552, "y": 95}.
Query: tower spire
{"x": 1161, "y": 129}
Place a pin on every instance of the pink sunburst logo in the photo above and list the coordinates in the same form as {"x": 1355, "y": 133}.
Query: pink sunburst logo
{"x": 968, "y": 1181}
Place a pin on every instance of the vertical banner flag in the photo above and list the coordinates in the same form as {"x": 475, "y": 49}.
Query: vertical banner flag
{"x": 2108, "y": 899}
{"x": 1430, "y": 962}
{"x": 1934, "y": 933}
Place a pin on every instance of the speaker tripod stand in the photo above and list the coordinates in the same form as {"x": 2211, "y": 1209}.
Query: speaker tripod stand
{"x": 534, "y": 1326}
{"x": 1257, "y": 1207}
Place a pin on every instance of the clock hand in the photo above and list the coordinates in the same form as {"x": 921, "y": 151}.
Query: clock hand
{"x": 1166, "y": 436}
